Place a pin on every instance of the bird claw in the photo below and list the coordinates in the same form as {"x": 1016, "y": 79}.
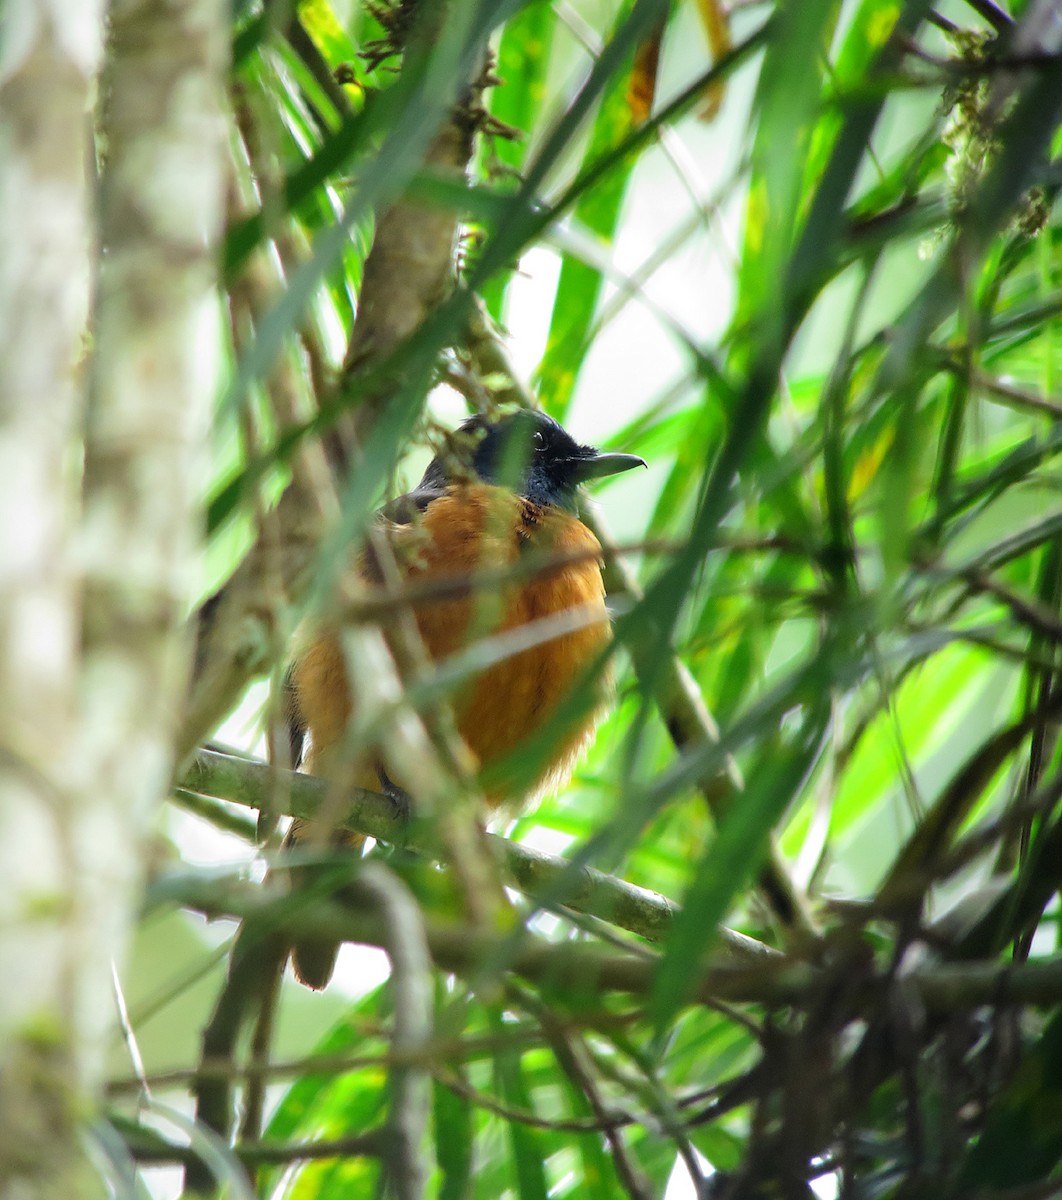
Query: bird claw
{"x": 399, "y": 797}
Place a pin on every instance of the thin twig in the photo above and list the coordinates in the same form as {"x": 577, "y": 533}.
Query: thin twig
{"x": 577, "y": 1065}
{"x": 148, "y": 1147}
{"x": 1025, "y": 610}
{"x": 448, "y": 1049}
{"x": 374, "y": 604}
{"x": 257, "y": 958}
{"x": 409, "y": 1158}
{"x": 524, "y": 1116}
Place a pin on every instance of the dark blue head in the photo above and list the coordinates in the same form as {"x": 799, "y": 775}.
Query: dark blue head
{"x": 530, "y": 454}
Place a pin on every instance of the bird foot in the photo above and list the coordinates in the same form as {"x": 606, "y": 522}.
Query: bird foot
{"x": 399, "y": 797}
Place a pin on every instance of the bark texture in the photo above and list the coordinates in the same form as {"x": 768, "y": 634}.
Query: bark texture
{"x": 97, "y": 514}
{"x": 152, "y": 385}
{"x": 49, "y": 56}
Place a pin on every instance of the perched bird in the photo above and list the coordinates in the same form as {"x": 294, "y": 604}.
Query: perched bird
{"x": 503, "y": 496}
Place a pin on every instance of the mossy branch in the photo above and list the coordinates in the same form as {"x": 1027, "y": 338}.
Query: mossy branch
{"x": 583, "y": 889}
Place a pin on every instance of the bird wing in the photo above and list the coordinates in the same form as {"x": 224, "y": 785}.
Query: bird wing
{"x": 403, "y": 510}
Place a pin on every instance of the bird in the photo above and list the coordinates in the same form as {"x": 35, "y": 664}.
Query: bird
{"x": 501, "y": 497}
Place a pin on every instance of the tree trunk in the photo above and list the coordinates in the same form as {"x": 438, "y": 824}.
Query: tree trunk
{"x": 95, "y": 569}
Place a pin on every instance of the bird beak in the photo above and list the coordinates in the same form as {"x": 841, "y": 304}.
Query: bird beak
{"x": 600, "y": 465}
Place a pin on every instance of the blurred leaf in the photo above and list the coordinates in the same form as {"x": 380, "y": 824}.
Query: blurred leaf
{"x": 523, "y": 61}
{"x": 731, "y": 863}
{"x": 716, "y": 21}
{"x": 1022, "y": 1139}
{"x": 453, "y": 1141}
{"x": 333, "y": 155}
{"x": 641, "y": 86}
{"x": 786, "y": 102}
{"x": 527, "y": 1156}
{"x": 321, "y": 23}
{"x": 316, "y": 1102}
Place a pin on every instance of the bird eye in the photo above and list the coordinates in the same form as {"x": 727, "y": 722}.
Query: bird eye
{"x": 539, "y": 440}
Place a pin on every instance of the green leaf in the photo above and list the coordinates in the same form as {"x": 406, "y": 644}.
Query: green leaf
{"x": 527, "y": 1155}
{"x": 453, "y": 1142}
{"x": 580, "y": 283}
{"x": 732, "y": 861}
{"x": 524, "y": 54}
{"x": 787, "y": 99}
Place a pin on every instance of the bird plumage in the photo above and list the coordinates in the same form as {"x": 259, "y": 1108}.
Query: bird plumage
{"x": 502, "y": 499}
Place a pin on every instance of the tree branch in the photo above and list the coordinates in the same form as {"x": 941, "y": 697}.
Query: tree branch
{"x": 583, "y": 972}
{"x": 584, "y": 889}
{"x": 577, "y": 970}
{"x": 410, "y": 1153}
{"x": 146, "y": 1146}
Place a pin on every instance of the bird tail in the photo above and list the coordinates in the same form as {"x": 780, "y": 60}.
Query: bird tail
{"x": 313, "y": 959}
{"x": 314, "y": 963}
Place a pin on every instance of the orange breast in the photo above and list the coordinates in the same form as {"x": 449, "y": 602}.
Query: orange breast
{"x": 473, "y": 528}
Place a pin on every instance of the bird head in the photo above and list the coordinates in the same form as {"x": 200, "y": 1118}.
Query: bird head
{"x": 529, "y": 453}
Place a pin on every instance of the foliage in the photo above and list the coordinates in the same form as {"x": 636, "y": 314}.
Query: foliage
{"x": 847, "y": 549}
